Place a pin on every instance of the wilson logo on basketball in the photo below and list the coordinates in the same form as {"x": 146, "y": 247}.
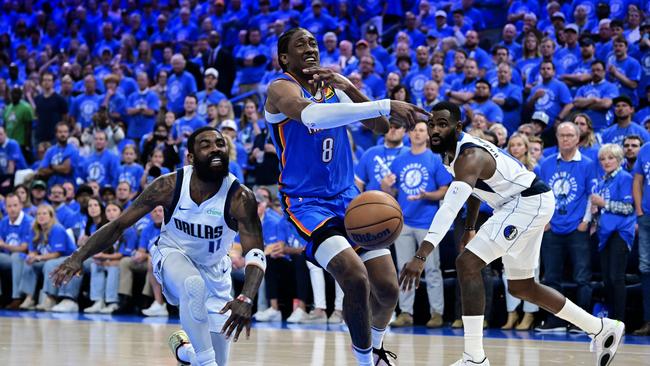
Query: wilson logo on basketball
{"x": 368, "y": 237}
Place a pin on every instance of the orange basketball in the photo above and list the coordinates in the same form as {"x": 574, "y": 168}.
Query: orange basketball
{"x": 373, "y": 220}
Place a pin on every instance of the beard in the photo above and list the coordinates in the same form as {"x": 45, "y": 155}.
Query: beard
{"x": 208, "y": 173}
{"x": 446, "y": 142}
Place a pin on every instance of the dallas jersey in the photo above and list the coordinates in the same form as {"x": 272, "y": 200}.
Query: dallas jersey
{"x": 205, "y": 232}
{"x": 510, "y": 177}
{"x": 313, "y": 163}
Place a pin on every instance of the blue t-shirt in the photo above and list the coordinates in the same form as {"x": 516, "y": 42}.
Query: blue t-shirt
{"x": 148, "y": 236}
{"x": 511, "y": 118}
{"x": 375, "y": 164}
{"x": 489, "y": 109}
{"x": 56, "y": 155}
{"x": 139, "y": 124}
{"x": 185, "y": 126}
{"x": 128, "y": 243}
{"x": 15, "y": 235}
{"x": 604, "y": 89}
{"x": 205, "y": 100}
{"x": 642, "y": 168}
{"x": 416, "y": 174}
{"x": 117, "y": 104}
{"x": 615, "y": 134}
{"x": 84, "y": 108}
{"x": 415, "y": 81}
{"x": 556, "y": 96}
{"x": 57, "y": 241}
{"x": 617, "y": 187}
{"x": 127, "y": 86}
{"x": 273, "y": 230}
{"x": 66, "y": 216}
{"x": 252, "y": 74}
{"x": 10, "y": 151}
{"x": 632, "y": 70}
{"x": 101, "y": 168}
{"x": 131, "y": 173}
{"x": 572, "y": 182}
{"x": 178, "y": 87}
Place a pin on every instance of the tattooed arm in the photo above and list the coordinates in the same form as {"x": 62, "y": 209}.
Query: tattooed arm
{"x": 244, "y": 210}
{"x": 160, "y": 192}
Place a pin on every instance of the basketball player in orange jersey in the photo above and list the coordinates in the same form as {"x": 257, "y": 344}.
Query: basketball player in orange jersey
{"x": 523, "y": 205}
{"x": 308, "y": 108}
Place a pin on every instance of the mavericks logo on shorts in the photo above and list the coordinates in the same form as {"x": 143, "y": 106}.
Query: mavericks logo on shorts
{"x": 510, "y": 232}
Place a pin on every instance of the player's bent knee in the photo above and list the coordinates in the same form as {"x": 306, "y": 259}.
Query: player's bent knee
{"x": 354, "y": 280}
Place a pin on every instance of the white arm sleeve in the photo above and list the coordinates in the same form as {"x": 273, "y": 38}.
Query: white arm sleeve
{"x": 455, "y": 198}
{"x": 324, "y": 115}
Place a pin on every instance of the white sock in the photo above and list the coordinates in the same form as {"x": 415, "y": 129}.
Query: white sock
{"x": 185, "y": 353}
{"x": 206, "y": 358}
{"x": 473, "y": 326}
{"x": 377, "y": 337}
{"x": 363, "y": 356}
{"x": 578, "y": 316}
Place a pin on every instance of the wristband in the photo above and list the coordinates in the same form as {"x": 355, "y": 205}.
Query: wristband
{"x": 383, "y": 107}
{"x": 244, "y": 298}
{"x": 470, "y": 228}
{"x": 256, "y": 257}
{"x": 423, "y": 259}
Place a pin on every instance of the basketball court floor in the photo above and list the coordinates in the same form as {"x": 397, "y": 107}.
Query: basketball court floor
{"x": 32, "y": 338}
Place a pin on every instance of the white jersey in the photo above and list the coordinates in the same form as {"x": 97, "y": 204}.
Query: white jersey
{"x": 510, "y": 179}
{"x": 205, "y": 232}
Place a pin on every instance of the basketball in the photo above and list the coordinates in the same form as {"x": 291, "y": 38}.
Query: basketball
{"x": 373, "y": 220}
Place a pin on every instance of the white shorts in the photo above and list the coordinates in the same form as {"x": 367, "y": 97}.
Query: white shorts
{"x": 217, "y": 281}
{"x": 514, "y": 232}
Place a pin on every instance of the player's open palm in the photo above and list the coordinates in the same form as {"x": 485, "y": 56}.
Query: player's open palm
{"x": 407, "y": 114}
{"x": 333, "y": 79}
{"x": 240, "y": 318}
{"x": 66, "y": 270}
{"x": 409, "y": 277}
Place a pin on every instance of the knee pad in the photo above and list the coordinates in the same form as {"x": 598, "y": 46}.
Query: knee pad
{"x": 195, "y": 291}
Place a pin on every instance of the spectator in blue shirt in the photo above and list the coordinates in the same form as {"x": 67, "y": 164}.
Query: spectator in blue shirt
{"x": 482, "y": 103}
{"x": 501, "y": 54}
{"x": 64, "y": 214}
{"x": 185, "y": 30}
{"x": 130, "y": 171}
{"x": 571, "y": 176}
{"x": 419, "y": 75}
{"x": 623, "y": 125}
{"x": 141, "y": 109}
{"x": 569, "y": 55}
{"x": 102, "y": 166}
{"x": 612, "y": 202}
{"x": 418, "y": 180}
{"x": 475, "y": 52}
{"x": 508, "y": 40}
{"x": 180, "y": 84}
{"x": 60, "y": 160}
{"x": 15, "y": 235}
{"x": 631, "y": 147}
{"x": 579, "y": 73}
{"x": 641, "y": 192}
{"x": 329, "y": 56}
{"x": 508, "y": 96}
{"x": 11, "y": 159}
{"x": 85, "y": 105}
{"x": 252, "y": 59}
{"x": 462, "y": 90}
{"x": 184, "y": 126}
{"x": 264, "y": 18}
{"x": 375, "y": 162}
{"x": 376, "y": 49}
{"x": 551, "y": 95}
{"x": 596, "y": 97}
{"x": 624, "y": 71}
{"x": 210, "y": 95}
{"x": 49, "y": 247}
{"x": 370, "y": 78}
{"x": 114, "y": 101}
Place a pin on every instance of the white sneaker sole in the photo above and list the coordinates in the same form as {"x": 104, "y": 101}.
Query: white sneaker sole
{"x": 610, "y": 346}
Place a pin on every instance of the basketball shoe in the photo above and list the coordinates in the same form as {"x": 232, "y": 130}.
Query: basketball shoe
{"x": 380, "y": 357}
{"x": 467, "y": 361}
{"x": 176, "y": 341}
{"x": 606, "y": 342}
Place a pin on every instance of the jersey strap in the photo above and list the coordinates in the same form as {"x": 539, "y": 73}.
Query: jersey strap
{"x": 230, "y": 221}
{"x": 177, "y": 194}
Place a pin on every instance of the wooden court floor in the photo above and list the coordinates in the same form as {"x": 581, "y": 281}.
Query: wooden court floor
{"x": 54, "y": 342}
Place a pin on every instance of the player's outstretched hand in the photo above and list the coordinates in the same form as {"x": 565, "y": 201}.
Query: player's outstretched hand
{"x": 240, "y": 318}
{"x": 66, "y": 270}
{"x": 407, "y": 114}
{"x": 409, "y": 277}
{"x": 334, "y": 79}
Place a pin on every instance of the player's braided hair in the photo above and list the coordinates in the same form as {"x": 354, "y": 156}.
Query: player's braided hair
{"x": 283, "y": 43}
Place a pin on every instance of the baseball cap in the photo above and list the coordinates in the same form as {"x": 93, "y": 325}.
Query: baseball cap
{"x": 541, "y": 117}
{"x": 212, "y": 71}
{"x": 228, "y": 124}
{"x": 432, "y": 33}
{"x": 624, "y": 99}
{"x": 558, "y": 14}
{"x": 39, "y": 184}
{"x": 362, "y": 42}
{"x": 572, "y": 27}
{"x": 316, "y": 3}
{"x": 372, "y": 29}
{"x": 441, "y": 13}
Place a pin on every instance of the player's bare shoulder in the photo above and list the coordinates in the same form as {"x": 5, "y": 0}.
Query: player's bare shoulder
{"x": 474, "y": 161}
{"x": 278, "y": 91}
